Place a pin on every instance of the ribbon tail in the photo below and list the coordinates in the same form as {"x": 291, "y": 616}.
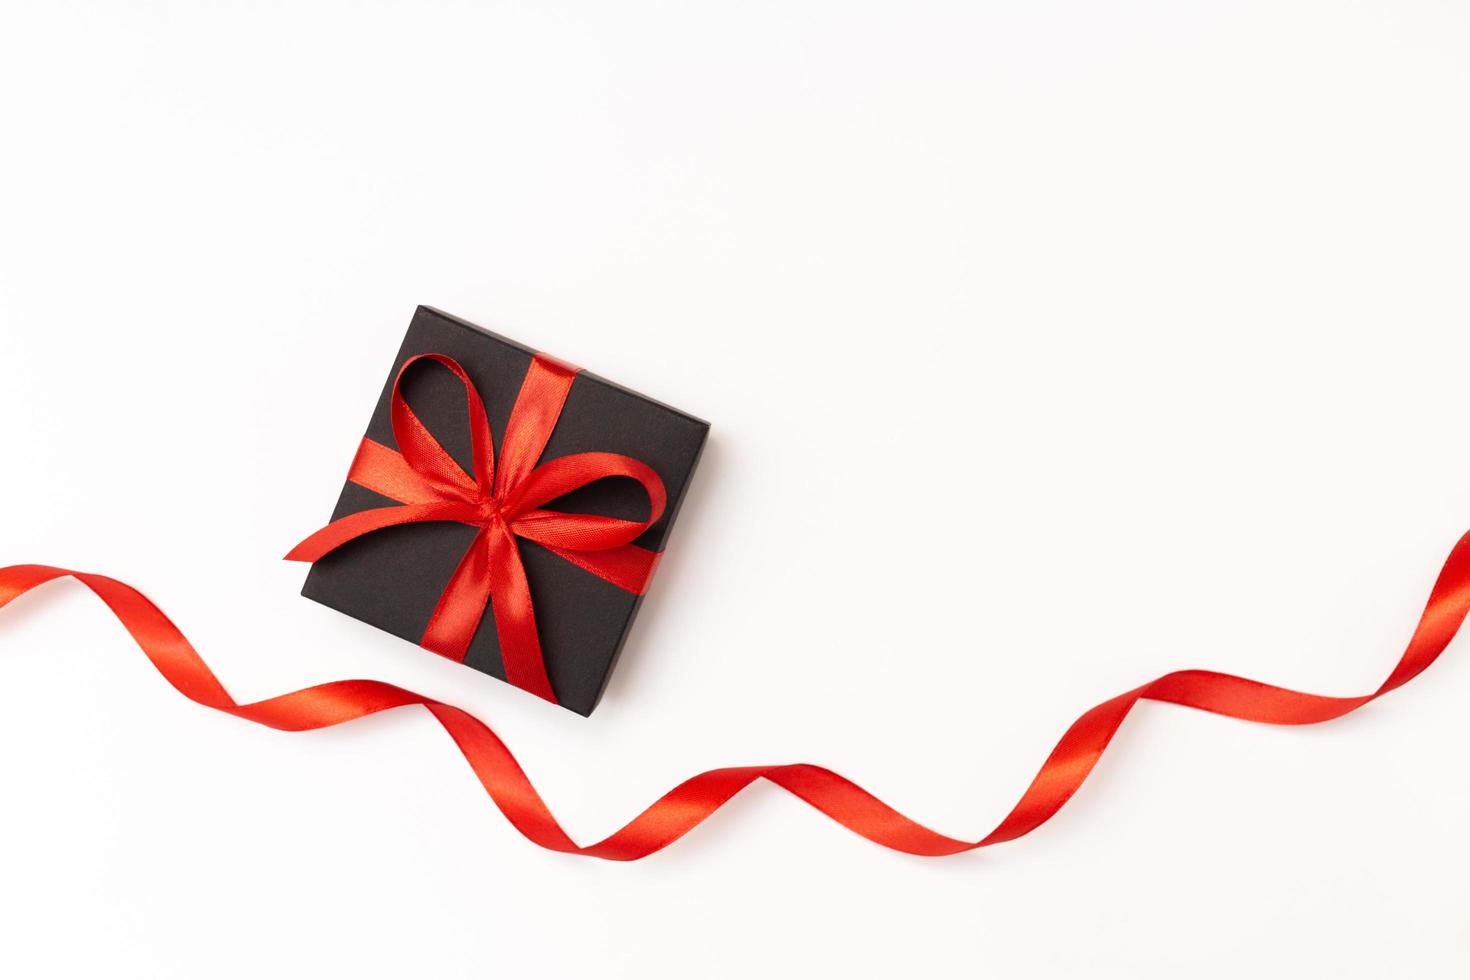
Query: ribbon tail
{"x": 515, "y": 617}
{"x": 490, "y": 573}
{"x": 462, "y": 603}
{"x": 343, "y": 530}
{"x": 385, "y": 471}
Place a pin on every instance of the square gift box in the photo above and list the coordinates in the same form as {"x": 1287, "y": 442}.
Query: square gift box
{"x": 440, "y": 567}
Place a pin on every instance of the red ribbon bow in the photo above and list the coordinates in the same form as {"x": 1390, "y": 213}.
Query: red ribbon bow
{"x": 504, "y": 503}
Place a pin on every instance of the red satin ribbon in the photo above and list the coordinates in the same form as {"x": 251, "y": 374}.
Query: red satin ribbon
{"x": 688, "y": 804}
{"x": 504, "y": 504}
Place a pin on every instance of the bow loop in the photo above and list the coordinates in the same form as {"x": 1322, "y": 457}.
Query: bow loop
{"x": 563, "y": 475}
{"x": 576, "y": 532}
{"x": 426, "y": 456}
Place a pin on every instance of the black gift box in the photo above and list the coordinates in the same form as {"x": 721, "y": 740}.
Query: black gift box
{"x": 392, "y": 578}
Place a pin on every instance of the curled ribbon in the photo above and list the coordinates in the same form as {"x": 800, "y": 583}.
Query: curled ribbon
{"x": 687, "y": 805}
{"x": 504, "y": 503}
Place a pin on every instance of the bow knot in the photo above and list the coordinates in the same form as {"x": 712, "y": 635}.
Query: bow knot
{"x": 489, "y": 512}
{"x": 505, "y": 503}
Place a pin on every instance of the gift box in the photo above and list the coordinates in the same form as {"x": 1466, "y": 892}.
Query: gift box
{"x": 539, "y": 564}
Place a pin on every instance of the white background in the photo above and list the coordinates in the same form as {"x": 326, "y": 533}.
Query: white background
{"x": 1048, "y": 347}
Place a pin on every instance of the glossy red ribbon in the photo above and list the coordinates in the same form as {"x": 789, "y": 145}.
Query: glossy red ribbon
{"x": 691, "y": 802}
{"x": 505, "y": 504}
